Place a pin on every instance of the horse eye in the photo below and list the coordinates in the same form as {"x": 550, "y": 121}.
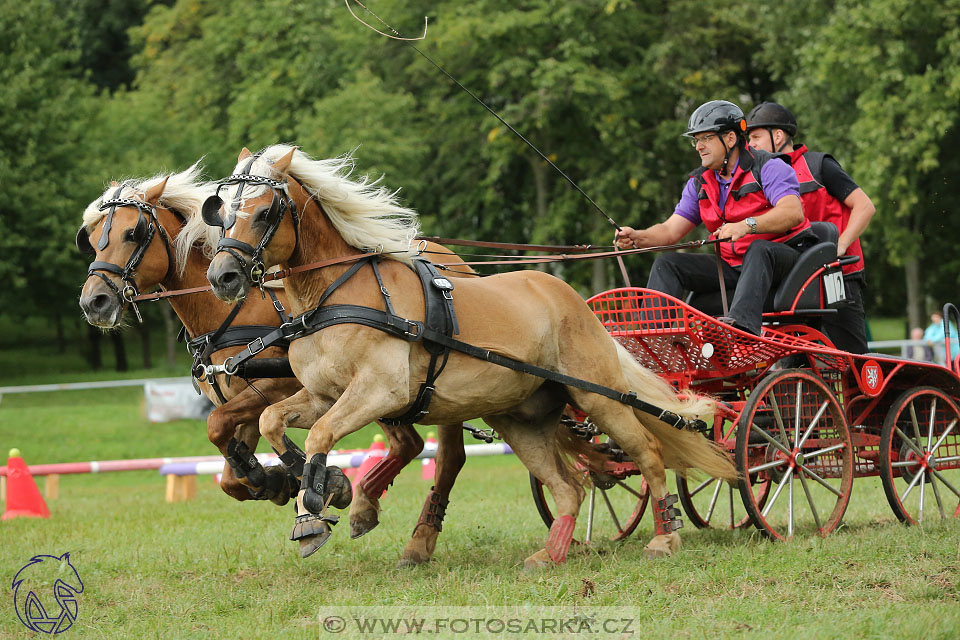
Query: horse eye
{"x": 129, "y": 236}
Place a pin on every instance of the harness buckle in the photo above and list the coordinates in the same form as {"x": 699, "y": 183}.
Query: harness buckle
{"x": 256, "y": 346}
{"x": 413, "y": 325}
{"x": 278, "y": 306}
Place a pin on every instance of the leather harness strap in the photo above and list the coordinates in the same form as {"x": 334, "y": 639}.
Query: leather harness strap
{"x": 322, "y": 317}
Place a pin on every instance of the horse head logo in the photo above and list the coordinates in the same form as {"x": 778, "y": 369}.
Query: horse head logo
{"x": 32, "y": 587}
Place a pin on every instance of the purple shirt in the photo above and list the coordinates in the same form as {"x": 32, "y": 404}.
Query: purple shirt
{"x": 778, "y": 180}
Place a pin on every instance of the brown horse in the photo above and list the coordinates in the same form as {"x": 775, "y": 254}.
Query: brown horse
{"x": 174, "y": 256}
{"x": 365, "y": 373}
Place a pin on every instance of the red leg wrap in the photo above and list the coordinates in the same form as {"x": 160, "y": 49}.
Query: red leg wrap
{"x": 434, "y": 509}
{"x": 666, "y": 517}
{"x": 561, "y": 534}
{"x": 375, "y": 482}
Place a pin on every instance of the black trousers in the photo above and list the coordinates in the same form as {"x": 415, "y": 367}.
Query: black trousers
{"x": 847, "y": 328}
{"x": 765, "y": 264}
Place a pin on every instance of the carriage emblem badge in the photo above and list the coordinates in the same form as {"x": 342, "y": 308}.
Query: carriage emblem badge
{"x": 872, "y": 377}
{"x": 45, "y": 594}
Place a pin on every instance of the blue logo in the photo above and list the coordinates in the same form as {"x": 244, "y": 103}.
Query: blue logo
{"x": 32, "y": 587}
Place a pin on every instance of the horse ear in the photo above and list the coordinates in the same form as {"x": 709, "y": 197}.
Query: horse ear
{"x": 83, "y": 242}
{"x": 283, "y": 163}
{"x": 244, "y": 154}
{"x": 211, "y": 211}
{"x": 152, "y": 195}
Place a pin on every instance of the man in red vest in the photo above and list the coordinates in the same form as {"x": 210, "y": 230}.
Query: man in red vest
{"x": 750, "y": 198}
{"x": 829, "y": 195}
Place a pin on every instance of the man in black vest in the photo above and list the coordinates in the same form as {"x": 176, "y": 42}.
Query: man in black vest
{"x": 829, "y": 195}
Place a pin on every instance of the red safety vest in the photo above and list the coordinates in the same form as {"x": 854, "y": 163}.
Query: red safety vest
{"x": 818, "y": 205}
{"x": 745, "y": 199}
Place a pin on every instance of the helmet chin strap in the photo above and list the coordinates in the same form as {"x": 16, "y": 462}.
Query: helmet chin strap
{"x": 773, "y": 145}
{"x": 726, "y": 156}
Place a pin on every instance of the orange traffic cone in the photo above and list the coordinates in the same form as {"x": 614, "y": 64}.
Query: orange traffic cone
{"x": 23, "y": 496}
{"x": 429, "y": 465}
{"x": 375, "y": 453}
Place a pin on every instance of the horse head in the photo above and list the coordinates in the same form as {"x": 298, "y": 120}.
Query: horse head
{"x": 258, "y": 222}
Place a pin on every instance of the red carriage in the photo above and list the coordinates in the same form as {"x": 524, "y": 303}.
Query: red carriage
{"x": 801, "y": 418}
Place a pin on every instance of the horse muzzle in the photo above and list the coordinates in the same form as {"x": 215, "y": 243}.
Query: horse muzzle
{"x": 229, "y": 282}
{"x": 101, "y": 309}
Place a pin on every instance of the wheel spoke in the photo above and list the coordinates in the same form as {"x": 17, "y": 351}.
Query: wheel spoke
{"x": 778, "y": 417}
{"x": 701, "y": 486}
{"x": 936, "y": 473}
{"x": 944, "y": 436}
{"x": 613, "y": 515}
{"x": 906, "y": 439}
{"x": 796, "y": 417}
{"x": 813, "y": 507}
{"x": 733, "y": 522}
{"x": 713, "y": 500}
{"x": 813, "y": 423}
{"x": 933, "y": 417}
{"x": 766, "y": 465}
{"x": 916, "y": 425}
{"x": 830, "y": 449}
{"x": 912, "y": 484}
{"x": 923, "y": 484}
{"x": 790, "y": 508}
{"x": 936, "y": 494}
{"x": 766, "y": 436}
{"x": 776, "y": 494}
{"x": 826, "y": 484}
{"x": 905, "y": 463}
{"x": 593, "y": 497}
{"x": 623, "y": 484}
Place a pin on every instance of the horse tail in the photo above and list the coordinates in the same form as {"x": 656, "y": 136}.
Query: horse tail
{"x": 682, "y": 449}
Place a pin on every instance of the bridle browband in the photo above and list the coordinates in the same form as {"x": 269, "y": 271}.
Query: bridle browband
{"x": 144, "y": 232}
{"x": 254, "y": 267}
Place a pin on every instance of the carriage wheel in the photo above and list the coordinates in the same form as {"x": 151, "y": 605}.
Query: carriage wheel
{"x": 612, "y": 508}
{"x": 715, "y": 503}
{"x": 793, "y": 432}
{"x": 920, "y": 456}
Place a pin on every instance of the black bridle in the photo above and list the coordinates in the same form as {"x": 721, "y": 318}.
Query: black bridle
{"x": 143, "y": 234}
{"x": 254, "y": 268}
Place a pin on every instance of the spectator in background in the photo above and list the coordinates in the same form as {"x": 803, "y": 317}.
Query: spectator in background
{"x": 919, "y": 352}
{"x": 935, "y": 339}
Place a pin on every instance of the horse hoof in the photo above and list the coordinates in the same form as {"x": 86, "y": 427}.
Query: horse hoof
{"x": 657, "y": 552}
{"x": 539, "y": 560}
{"x": 359, "y": 528}
{"x": 309, "y": 546}
{"x": 411, "y": 560}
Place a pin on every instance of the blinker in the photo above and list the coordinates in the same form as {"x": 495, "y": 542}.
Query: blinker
{"x": 211, "y": 211}
{"x": 83, "y": 242}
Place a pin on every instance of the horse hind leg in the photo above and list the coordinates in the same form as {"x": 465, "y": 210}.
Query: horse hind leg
{"x": 538, "y": 450}
{"x": 404, "y": 445}
{"x": 451, "y": 457}
{"x": 620, "y": 423}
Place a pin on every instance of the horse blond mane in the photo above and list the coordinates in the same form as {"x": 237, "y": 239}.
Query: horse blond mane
{"x": 184, "y": 193}
{"x": 365, "y": 213}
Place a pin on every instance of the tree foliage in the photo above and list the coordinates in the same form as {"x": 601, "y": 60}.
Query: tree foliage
{"x": 602, "y": 87}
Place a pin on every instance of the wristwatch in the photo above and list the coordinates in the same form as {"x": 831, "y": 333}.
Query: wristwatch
{"x": 752, "y": 223}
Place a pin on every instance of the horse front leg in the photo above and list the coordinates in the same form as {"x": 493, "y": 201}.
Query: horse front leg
{"x": 323, "y": 486}
{"x": 451, "y": 457}
{"x": 404, "y": 445}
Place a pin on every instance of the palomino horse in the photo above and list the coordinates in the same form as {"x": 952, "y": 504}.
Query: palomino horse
{"x": 365, "y": 372}
{"x": 169, "y": 205}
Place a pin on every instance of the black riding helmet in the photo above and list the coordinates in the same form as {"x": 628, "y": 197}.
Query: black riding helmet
{"x": 718, "y": 116}
{"x": 770, "y": 116}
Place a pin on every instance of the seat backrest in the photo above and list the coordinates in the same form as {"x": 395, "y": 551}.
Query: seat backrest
{"x": 808, "y": 262}
{"x": 826, "y": 231}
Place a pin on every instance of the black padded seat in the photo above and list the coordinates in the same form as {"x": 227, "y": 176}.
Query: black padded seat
{"x": 782, "y": 298}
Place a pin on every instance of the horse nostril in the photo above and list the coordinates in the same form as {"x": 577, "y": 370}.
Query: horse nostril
{"x": 229, "y": 279}
{"x": 100, "y": 302}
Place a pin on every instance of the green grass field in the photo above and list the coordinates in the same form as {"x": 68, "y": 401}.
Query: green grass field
{"x": 214, "y": 568}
